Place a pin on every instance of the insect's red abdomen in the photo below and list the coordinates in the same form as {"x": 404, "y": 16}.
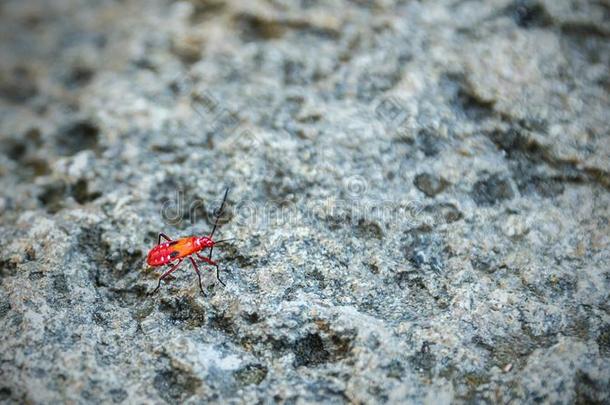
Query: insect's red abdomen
{"x": 161, "y": 254}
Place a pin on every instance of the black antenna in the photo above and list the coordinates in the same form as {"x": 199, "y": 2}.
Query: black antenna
{"x": 219, "y": 213}
{"x": 225, "y": 240}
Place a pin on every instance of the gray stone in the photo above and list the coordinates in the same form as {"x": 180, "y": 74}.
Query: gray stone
{"x": 419, "y": 205}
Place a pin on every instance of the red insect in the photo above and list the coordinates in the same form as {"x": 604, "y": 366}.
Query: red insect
{"x": 173, "y": 252}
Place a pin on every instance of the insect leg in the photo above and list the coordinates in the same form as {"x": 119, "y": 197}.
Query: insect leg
{"x": 198, "y": 274}
{"x": 164, "y": 275}
{"x": 213, "y": 263}
{"x": 162, "y": 235}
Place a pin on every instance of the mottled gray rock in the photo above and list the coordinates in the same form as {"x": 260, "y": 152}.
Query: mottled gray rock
{"x": 419, "y": 196}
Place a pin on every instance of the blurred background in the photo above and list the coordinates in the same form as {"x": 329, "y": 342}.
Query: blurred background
{"x": 419, "y": 200}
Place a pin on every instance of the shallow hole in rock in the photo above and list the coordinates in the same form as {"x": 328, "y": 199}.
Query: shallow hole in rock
{"x": 252, "y": 317}
{"x": 475, "y": 108}
{"x": 341, "y": 346}
{"x": 81, "y": 193}
{"x": 294, "y": 72}
{"x": 255, "y": 28}
{"x": 585, "y": 42}
{"x": 395, "y": 369}
{"x": 379, "y": 393}
{"x": 99, "y": 318}
{"x": 369, "y": 229}
{"x": 37, "y": 166}
{"x": 486, "y": 264}
{"x": 19, "y": 87}
{"x": 251, "y": 374}
{"x": 430, "y": 184}
{"x": 517, "y": 349}
{"x": 515, "y": 143}
{"x": 423, "y": 362}
{"x": 188, "y": 48}
{"x": 373, "y": 268}
{"x": 310, "y": 351}
{"x": 108, "y": 266}
{"x": 579, "y": 327}
{"x": 5, "y": 393}
{"x": 561, "y": 284}
{"x": 463, "y": 98}
{"x": 36, "y": 275}
{"x": 79, "y": 76}
{"x": 7, "y": 267}
{"x": 223, "y": 323}
{"x": 134, "y": 297}
{"x": 529, "y": 14}
{"x": 471, "y": 382}
{"x": 315, "y": 274}
{"x": 590, "y": 390}
{"x": 53, "y": 197}
{"x": 372, "y": 85}
{"x": 60, "y": 285}
{"x": 118, "y": 395}
{"x": 14, "y": 149}
{"x": 76, "y": 137}
{"x": 33, "y": 136}
{"x": 183, "y": 309}
{"x": 22, "y": 151}
{"x": 444, "y": 212}
{"x": 543, "y": 186}
{"x": 175, "y": 386}
{"x": 491, "y": 190}
{"x": 526, "y": 158}
{"x": 428, "y": 142}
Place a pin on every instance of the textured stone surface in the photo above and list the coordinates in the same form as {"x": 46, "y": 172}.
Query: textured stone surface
{"x": 420, "y": 192}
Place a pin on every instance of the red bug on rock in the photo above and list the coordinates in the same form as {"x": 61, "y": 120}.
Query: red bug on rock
{"x": 173, "y": 252}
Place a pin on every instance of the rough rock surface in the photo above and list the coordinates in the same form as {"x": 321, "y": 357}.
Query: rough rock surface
{"x": 420, "y": 191}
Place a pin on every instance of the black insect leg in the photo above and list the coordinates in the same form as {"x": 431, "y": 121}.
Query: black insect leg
{"x": 164, "y": 275}
{"x": 198, "y": 274}
{"x": 213, "y": 263}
